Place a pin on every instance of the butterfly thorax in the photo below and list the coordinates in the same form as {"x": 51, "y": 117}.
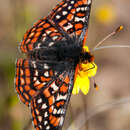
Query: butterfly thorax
{"x": 65, "y": 50}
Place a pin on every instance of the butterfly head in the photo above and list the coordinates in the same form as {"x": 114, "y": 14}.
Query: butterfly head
{"x": 86, "y": 56}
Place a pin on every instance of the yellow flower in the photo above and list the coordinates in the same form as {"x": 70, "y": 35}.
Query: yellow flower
{"x": 82, "y": 77}
{"x": 81, "y": 83}
{"x": 106, "y": 14}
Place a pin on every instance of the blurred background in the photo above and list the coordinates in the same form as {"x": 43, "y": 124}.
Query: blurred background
{"x": 105, "y": 109}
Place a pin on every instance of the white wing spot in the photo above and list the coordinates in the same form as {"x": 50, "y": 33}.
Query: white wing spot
{"x": 45, "y": 122}
{"x": 46, "y": 74}
{"x": 65, "y": 5}
{"x": 48, "y": 127}
{"x": 51, "y": 43}
{"x": 89, "y": 2}
{"x": 72, "y": 2}
{"x": 44, "y": 106}
{"x": 38, "y": 45}
{"x": 55, "y": 73}
{"x": 54, "y": 38}
{"x": 21, "y": 72}
{"x": 55, "y": 111}
{"x": 62, "y": 111}
{"x": 59, "y": 111}
{"x": 69, "y": 26}
{"x": 58, "y": 16}
{"x": 40, "y": 126}
{"x": 60, "y": 97}
{"x": 43, "y": 83}
{"x": 52, "y": 107}
{"x": 64, "y": 12}
{"x": 40, "y": 118}
{"x": 46, "y": 66}
{"x": 36, "y": 73}
{"x": 22, "y": 81}
{"x": 34, "y": 79}
{"x": 61, "y": 120}
{"x": 48, "y": 32}
{"x": 39, "y": 101}
{"x": 82, "y": 8}
{"x": 37, "y": 112}
{"x": 77, "y": 19}
{"x": 34, "y": 64}
{"x": 86, "y": 8}
{"x": 53, "y": 85}
{"x": 78, "y": 9}
{"x": 44, "y": 35}
{"x": 43, "y": 39}
{"x": 37, "y": 82}
{"x": 69, "y": 7}
{"x": 46, "y": 114}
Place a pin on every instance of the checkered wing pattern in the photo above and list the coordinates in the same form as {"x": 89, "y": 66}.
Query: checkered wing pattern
{"x": 49, "y": 107}
{"x": 31, "y": 77}
{"x": 43, "y": 33}
{"x": 46, "y": 90}
{"x": 70, "y": 17}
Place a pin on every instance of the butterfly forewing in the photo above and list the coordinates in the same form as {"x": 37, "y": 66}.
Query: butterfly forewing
{"x": 37, "y": 36}
{"x": 70, "y": 16}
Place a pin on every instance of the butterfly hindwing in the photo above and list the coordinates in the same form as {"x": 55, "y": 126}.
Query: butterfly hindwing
{"x": 49, "y": 107}
{"x": 48, "y": 94}
{"x": 31, "y": 77}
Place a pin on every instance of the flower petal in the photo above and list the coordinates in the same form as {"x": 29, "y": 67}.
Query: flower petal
{"x": 92, "y": 72}
{"x": 76, "y": 86}
{"x": 81, "y": 83}
{"x": 88, "y": 69}
{"x": 85, "y": 85}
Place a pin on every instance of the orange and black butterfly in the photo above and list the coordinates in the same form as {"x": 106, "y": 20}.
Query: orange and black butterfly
{"x": 54, "y": 49}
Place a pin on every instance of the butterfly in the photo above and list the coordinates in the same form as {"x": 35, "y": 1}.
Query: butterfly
{"x": 57, "y": 64}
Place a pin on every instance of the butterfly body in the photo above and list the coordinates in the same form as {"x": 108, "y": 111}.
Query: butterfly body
{"x": 62, "y": 51}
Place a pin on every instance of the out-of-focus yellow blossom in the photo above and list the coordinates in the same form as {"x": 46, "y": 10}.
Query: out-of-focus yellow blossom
{"x": 83, "y": 73}
{"x": 105, "y": 14}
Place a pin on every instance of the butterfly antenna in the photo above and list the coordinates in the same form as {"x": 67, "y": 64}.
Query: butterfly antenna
{"x": 108, "y": 36}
